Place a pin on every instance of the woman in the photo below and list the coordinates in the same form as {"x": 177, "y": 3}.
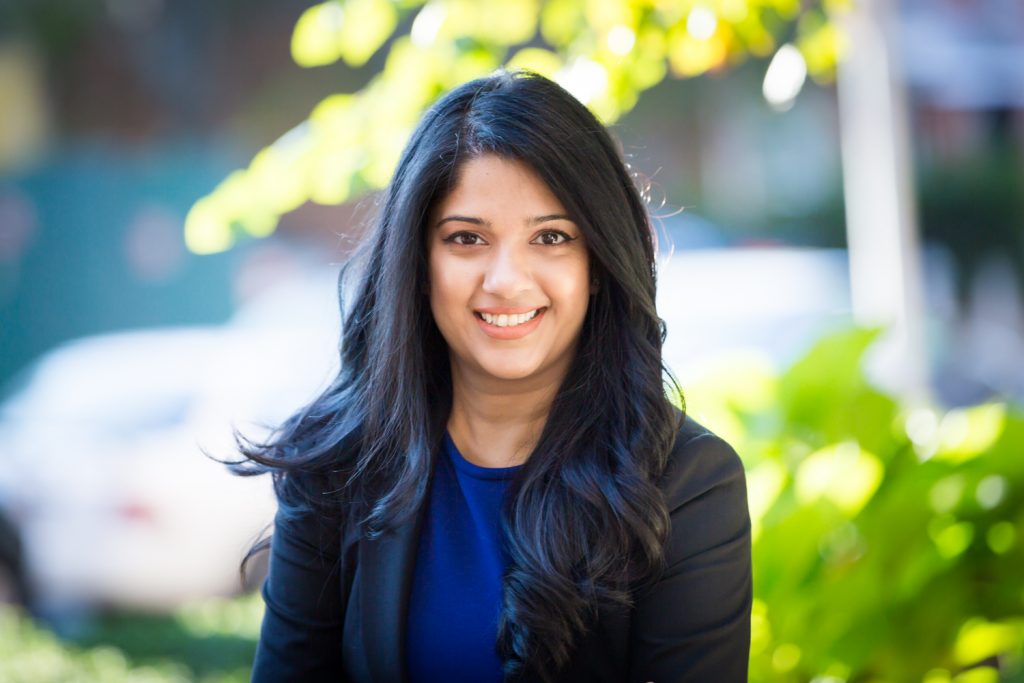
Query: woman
{"x": 495, "y": 487}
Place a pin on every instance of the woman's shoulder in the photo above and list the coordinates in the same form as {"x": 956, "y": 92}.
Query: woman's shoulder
{"x": 699, "y": 462}
{"x": 705, "y": 490}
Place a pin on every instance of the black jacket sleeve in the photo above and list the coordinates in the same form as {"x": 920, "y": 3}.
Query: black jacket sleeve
{"x": 693, "y": 625}
{"x": 300, "y": 638}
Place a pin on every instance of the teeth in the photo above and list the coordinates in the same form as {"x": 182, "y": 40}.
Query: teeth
{"x": 504, "y": 320}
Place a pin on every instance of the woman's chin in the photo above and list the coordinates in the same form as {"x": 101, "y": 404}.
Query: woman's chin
{"x": 511, "y": 367}
{"x": 511, "y": 373}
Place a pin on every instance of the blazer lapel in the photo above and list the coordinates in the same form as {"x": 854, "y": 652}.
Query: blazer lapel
{"x": 387, "y": 571}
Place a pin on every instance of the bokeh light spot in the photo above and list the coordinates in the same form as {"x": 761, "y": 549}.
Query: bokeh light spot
{"x": 621, "y": 39}
{"x": 701, "y": 23}
{"x": 991, "y": 491}
{"x": 1001, "y": 537}
{"x": 946, "y": 493}
{"x": 844, "y": 474}
{"x": 967, "y": 433}
{"x": 951, "y": 538}
{"x": 785, "y": 78}
{"x": 427, "y": 24}
{"x": 786, "y": 657}
{"x": 584, "y": 78}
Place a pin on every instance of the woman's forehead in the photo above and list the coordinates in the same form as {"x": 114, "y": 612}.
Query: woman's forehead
{"x": 490, "y": 183}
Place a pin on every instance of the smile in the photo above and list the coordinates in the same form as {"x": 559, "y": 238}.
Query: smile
{"x": 509, "y": 326}
{"x": 508, "y": 320}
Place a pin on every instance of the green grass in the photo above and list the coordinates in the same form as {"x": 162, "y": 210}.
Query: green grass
{"x": 213, "y": 641}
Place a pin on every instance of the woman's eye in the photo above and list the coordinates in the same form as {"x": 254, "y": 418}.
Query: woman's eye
{"x": 465, "y": 239}
{"x": 553, "y": 237}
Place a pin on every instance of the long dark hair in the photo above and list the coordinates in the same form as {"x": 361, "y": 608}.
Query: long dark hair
{"x": 584, "y": 521}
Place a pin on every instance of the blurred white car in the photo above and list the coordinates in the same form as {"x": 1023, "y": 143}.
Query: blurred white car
{"x": 101, "y": 474}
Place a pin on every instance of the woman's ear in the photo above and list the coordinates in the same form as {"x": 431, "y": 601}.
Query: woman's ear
{"x": 594, "y": 285}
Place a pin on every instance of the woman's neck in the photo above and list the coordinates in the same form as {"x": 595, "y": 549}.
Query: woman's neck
{"x": 497, "y": 425}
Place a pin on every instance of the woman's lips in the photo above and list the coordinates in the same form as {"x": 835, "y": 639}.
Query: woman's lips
{"x": 510, "y": 331}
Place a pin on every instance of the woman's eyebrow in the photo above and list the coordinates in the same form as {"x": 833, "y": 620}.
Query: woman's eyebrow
{"x": 461, "y": 219}
{"x": 536, "y": 220}
{"x": 549, "y": 217}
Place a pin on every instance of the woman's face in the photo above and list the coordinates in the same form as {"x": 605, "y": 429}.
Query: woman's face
{"x": 509, "y": 274}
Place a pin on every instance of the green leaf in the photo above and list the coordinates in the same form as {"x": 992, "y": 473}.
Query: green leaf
{"x": 561, "y": 21}
{"x": 844, "y": 474}
{"x": 980, "y": 639}
{"x": 539, "y": 60}
{"x": 368, "y": 23}
{"x": 764, "y": 484}
{"x": 981, "y": 674}
{"x": 352, "y": 30}
{"x": 966, "y": 433}
{"x": 315, "y": 40}
{"x": 492, "y": 22}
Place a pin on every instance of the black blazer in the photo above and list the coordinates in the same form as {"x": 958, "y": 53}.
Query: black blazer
{"x": 336, "y": 605}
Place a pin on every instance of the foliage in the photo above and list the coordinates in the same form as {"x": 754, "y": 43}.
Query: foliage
{"x": 606, "y": 52}
{"x": 886, "y": 541}
{"x": 208, "y": 642}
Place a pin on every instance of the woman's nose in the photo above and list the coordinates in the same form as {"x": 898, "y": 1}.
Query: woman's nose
{"x": 507, "y": 274}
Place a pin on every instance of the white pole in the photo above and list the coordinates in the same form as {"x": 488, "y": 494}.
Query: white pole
{"x": 885, "y": 270}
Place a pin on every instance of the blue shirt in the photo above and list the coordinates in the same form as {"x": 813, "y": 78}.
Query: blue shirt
{"x": 452, "y": 624}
